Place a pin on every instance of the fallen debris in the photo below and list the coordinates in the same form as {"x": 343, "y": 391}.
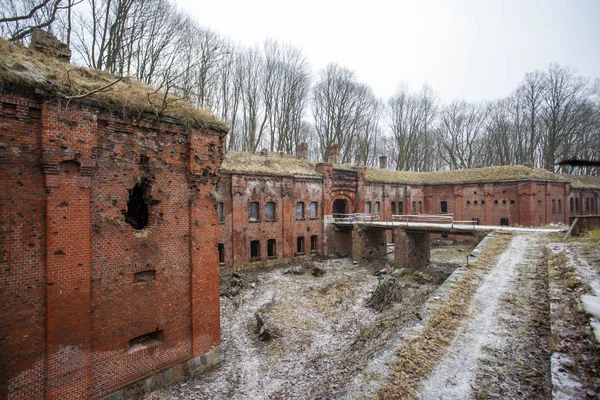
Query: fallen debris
{"x": 265, "y": 330}
{"x": 387, "y": 292}
{"x": 318, "y": 271}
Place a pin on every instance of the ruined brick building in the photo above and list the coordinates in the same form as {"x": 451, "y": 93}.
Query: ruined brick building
{"x": 114, "y": 218}
{"x": 273, "y": 207}
{"x": 108, "y": 265}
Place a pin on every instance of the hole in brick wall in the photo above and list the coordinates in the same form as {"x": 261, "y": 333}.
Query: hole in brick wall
{"x": 144, "y": 159}
{"x": 146, "y": 340}
{"x": 144, "y": 276}
{"x": 137, "y": 208}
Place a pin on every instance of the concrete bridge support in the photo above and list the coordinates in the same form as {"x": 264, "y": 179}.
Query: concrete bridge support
{"x": 368, "y": 244}
{"x": 411, "y": 249}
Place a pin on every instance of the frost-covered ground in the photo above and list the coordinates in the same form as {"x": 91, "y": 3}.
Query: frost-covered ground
{"x": 326, "y": 333}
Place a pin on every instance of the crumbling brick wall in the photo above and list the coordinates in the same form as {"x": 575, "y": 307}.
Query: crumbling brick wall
{"x": 79, "y": 282}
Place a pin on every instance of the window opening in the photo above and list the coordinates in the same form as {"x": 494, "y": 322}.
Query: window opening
{"x": 312, "y": 209}
{"x": 137, "y": 208}
{"x": 587, "y": 204}
{"x": 559, "y": 205}
{"x": 553, "y": 206}
{"x": 504, "y": 221}
{"x": 147, "y": 340}
{"x": 420, "y": 207}
{"x": 300, "y": 245}
{"x": 300, "y": 210}
{"x": 221, "y": 248}
{"x": 339, "y": 206}
{"x": 512, "y": 202}
{"x": 220, "y": 212}
{"x": 254, "y": 211}
{"x": 400, "y": 207}
{"x": 393, "y": 207}
{"x": 314, "y": 243}
{"x": 571, "y": 204}
{"x": 271, "y": 211}
{"x": 271, "y": 248}
{"x": 144, "y": 276}
{"x": 368, "y": 207}
{"x": 414, "y": 207}
{"x": 377, "y": 205}
{"x": 443, "y": 207}
{"x": 475, "y": 221}
{"x": 577, "y": 204}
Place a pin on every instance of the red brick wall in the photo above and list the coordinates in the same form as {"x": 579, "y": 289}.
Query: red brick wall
{"x": 237, "y": 230}
{"x": 67, "y": 248}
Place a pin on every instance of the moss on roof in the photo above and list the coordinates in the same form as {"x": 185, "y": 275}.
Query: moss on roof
{"x": 28, "y": 68}
{"x": 583, "y": 181}
{"x": 271, "y": 164}
{"x": 473, "y": 175}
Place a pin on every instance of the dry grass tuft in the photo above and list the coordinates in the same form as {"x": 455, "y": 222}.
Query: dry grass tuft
{"x": 27, "y": 68}
{"x": 421, "y": 354}
{"x": 272, "y": 164}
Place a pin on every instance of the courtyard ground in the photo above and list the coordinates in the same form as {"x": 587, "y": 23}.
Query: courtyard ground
{"x": 509, "y": 325}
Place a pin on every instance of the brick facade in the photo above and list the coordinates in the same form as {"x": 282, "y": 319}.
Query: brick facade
{"x": 80, "y": 285}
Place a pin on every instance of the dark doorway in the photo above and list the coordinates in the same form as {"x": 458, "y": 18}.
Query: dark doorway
{"x": 221, "y": 248}
{"x": 255, "y": 250}
{"x": 314, "y": 243}
{"x": 271, "y": 248}
{"x": 300, "y": 245}
{"x": 504, "y": 221}
{"x": 443, "y": 207}
{"x": 339, "y": 206}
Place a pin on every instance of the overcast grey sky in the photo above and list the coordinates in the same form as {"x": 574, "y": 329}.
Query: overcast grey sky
{"x": 467, "y": 49}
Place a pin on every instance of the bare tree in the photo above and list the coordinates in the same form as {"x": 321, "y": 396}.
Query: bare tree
{"x": 18, "y": 18}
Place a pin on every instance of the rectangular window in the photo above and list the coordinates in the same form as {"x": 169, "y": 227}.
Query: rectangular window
{"x": 255, "y": 250}
{"x": 300, "y": 210}
{"x": 512, "y": 202}
{"x": 504, "y": 221}
{"x": 393, "y": 207}
{"x": 220, "y": 212}
{"x": 270, "y": 211}
{"x": 368, "y": 207}
{"x": 577, "y": 204}
{"x": 272, "y": 248}
{"x": 300, "y": 245}
{"x": 443, "y": 207}
{"x": 571, "y": 205}
{"x": 312, "y": 209}
{"x": 420, "y": 207}
{"x": 400, "y": 207}
{"x": 377, "y": 205}
{"x": 559, "y": 205}
{"x": 254, "y": 211}
{"x": 553, "y": 206}
{"x": 221, "y": 248}
{"x": 414, "y": 207}
{"x": 314, "y": 243}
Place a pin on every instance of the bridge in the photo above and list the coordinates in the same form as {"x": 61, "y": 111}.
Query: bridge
{"x": 411, "y": 235}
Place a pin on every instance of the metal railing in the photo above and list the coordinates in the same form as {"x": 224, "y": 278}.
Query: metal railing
{"x": 357, "y": 217}
{"x": 402, "y": 218}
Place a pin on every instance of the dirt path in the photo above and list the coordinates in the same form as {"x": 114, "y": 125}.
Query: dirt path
{"x": 485, "y": 336}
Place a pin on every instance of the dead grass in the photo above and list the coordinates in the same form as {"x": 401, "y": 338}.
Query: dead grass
{"x": 27, "y": 68}
{"x": 421, "y": 354}
{"x": 272, "y": 164}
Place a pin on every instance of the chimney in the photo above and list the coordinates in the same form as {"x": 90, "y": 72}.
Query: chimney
{"x": 302, "y": 150}
{"x": 47, "y": 44}
{"x": 383, "y": 162}
{"x": 333, "y": 154}
{"x": 360, "y": 160}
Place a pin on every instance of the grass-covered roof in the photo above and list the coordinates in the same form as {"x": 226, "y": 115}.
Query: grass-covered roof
{"x": 28, "y": 68}
{"x": 271, "y": 164}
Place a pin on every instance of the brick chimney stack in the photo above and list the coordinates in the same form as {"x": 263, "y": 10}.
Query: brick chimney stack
{"x": 383, "y": 162}
{"x": 302, "y": 150}
{"x": 333, "y": 154}
{"x": 46, "y": 43}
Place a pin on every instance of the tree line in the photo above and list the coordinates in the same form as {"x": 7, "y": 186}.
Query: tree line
{"x": 271, "y": 98}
